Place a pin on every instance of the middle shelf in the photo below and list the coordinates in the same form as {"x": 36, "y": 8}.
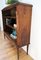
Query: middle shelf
{"x": 9, "y": 17}
{"x": 10, "y": 26}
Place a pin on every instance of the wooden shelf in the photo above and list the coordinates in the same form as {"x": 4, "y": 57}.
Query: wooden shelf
{"x": 8, "y": 36}
{"x": 9, "y": 17}
{"x": 10, "y": 26}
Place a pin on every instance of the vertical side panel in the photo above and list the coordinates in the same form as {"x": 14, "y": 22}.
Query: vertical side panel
{"x": 23, "y": 24}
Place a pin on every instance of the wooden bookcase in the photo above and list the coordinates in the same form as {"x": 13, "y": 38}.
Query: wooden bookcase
{"x": 20, "y": 14}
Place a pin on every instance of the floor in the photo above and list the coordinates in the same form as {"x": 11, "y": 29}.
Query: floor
{"x": 0, "y": 28}
{"x": 8, "y": 50}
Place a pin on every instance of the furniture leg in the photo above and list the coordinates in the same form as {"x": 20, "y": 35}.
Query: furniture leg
{"x": 4, "y": 35}
{"x": 18, "y": 52}
{"x": 27, "y": 48}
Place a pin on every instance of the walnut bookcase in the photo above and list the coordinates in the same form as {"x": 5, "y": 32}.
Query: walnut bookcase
{"x": 20, "y": 13}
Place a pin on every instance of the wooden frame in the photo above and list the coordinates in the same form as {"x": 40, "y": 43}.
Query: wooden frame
{"x": 23, "y": 13}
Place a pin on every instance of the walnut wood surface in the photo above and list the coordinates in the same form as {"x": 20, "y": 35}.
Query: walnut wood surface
{"x": 23, "y": 24}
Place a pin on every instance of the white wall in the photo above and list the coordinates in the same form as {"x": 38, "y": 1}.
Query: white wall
{"x": 35, "y": 46}
{"x": 2, "y": 5}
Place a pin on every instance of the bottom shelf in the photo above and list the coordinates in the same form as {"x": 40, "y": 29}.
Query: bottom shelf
{"x": 11, "y": 32}
{"x": 9, "y": 36}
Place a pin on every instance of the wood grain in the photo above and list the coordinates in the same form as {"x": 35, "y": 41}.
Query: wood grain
{"x": 8, "y": 50}
{"x": 23, "y": 24}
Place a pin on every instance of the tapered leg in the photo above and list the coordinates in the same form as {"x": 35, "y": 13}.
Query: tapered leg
{"x": 18, "y": 52}
{"x": 27, "y": 48}
{"x": 4, "y": 35}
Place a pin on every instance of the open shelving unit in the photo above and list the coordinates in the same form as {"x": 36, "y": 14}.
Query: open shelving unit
{"x": 17, "y": 20}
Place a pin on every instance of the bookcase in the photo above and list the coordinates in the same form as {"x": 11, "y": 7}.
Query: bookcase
{"x": 17, "y": 24}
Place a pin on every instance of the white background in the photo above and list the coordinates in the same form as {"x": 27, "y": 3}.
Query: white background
{"x": 35, "y": 39}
